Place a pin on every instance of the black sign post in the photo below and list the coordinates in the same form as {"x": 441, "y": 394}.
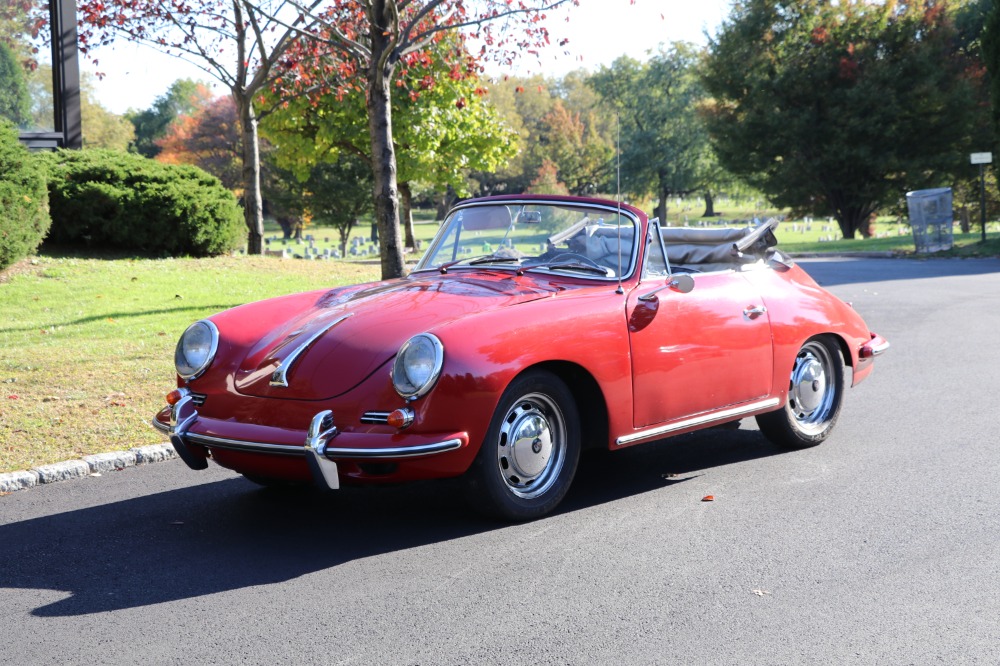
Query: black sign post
{"x": 982, "y": 159}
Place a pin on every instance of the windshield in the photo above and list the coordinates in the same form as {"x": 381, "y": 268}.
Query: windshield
{"x": 542, "y": 236}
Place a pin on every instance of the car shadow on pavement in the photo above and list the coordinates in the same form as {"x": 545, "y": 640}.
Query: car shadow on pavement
{"x": 605, "y": 476}
{"x": 225, "y": 535}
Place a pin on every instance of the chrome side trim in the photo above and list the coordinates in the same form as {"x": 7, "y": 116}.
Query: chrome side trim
{"x": 280, "y": 375}
{"x": 697, "y": 421}
{"x": 162, "y": 427}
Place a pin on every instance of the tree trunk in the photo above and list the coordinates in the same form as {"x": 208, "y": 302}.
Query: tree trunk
{"x": 444, "y": 203}
{"x": 383, "y": 155}
{"x": 344, "y": 232}
{"x": 963, "y": 217}
{"x": 709, "y": 205}
{"x": 661, "y": 207}
{"x": 406, "y": 199}
{"x": 253, "y": 208}
{"x": 853, "y": 220}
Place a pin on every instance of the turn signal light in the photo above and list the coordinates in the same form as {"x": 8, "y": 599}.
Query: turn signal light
{"x": 174, "y": 397}
{"x": 400, "y": 418}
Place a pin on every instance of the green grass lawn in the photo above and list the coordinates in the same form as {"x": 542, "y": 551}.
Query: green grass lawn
{"x": 88, "y": 342}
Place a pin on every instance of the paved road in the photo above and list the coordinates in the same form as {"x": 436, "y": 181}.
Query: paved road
{"x": 879, "y": 547}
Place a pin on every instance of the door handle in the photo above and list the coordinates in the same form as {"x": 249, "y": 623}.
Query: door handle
{"x": 754, "y": 311}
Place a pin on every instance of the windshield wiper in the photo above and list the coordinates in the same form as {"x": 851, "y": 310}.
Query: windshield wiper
{"x": 570, "y": 265}
{"x": 486, "y": 259}
{"x": 493, "y": 259}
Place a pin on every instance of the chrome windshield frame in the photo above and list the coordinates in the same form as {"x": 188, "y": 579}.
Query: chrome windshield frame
{"x": 631, "y": 260}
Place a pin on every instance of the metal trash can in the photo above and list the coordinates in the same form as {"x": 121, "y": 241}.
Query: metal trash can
{"x": 931, "y": 219}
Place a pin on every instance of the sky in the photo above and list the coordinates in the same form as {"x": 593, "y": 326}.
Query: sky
{"x": 599, "y": 31}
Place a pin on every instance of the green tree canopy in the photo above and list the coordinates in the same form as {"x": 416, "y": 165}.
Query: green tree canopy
{"x": 838, "y": 107}
{"x": 664, "y": 143}
{"x": 567, "y": 136}
{"x": 15, "y": 104}
{"x": 442, "y": 130}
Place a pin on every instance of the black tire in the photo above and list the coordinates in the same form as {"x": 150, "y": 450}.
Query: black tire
{"x": 529, "y": 456}
{"x": 815, "y": 392}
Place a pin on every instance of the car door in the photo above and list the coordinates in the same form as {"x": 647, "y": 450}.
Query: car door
{"x": 700, "y": 351}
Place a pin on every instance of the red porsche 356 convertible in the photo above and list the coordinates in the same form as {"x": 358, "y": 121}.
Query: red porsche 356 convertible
{"x": 532, "y": 328}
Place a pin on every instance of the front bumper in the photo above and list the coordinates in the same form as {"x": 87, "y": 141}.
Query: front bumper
{"x": 316, "y": 444}
{"x": 876, "y": 347}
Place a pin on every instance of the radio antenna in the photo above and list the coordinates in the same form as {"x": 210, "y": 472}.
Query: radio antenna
{"x": 618, "y": 194}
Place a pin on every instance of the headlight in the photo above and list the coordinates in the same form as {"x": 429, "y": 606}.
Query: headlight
{"x": 418, "y": 365}
{"x": 196, "y": 349}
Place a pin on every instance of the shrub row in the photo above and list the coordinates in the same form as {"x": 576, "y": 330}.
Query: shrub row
{"x": 104, "y": 198}
{"x": 109, "y": 199}
{"x": 24, "y": 202}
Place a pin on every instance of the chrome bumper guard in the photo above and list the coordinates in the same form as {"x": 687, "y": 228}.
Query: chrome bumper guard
{"x": 324, "y": 470}
{"x": 876, "y": 347}
{"x": 182, "y": 417}
{"x": 317, "y": 449}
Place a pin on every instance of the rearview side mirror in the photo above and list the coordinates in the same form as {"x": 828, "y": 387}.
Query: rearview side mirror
{"x": 683, "y": 283}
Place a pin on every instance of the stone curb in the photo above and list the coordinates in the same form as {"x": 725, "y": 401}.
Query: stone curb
{"x": 76, "y": 469}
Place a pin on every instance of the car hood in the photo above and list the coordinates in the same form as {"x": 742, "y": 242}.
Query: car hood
{"x": 330, "y": 347}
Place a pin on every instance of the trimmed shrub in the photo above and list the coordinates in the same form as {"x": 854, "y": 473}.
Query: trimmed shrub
{"x": 109, "y": 199}
{"x": 24, "y": 202}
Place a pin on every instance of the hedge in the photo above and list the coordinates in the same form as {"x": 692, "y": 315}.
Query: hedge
{"x": 110, "y": 199}
{"x": 24, "y": 203}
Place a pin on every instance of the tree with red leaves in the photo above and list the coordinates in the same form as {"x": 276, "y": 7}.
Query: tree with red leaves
{"x": 369, "y": 43}
{"x": 207, "y": 138}
{"x": 353, "y": 44}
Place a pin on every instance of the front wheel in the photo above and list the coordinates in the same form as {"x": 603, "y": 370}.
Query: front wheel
{"x": 815, "y": 391}
{"x": 529, "y": 456}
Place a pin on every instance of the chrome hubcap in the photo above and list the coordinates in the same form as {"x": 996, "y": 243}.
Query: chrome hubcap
{"x": 811, "y": 394}
{"x": 532, "y": 444}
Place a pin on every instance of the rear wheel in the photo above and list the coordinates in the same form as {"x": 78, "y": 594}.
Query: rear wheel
{"x": 529, "y": 456}
{"x": 815, "y": 392}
